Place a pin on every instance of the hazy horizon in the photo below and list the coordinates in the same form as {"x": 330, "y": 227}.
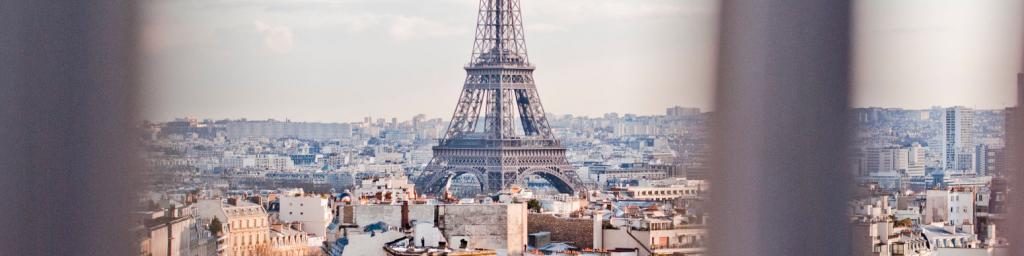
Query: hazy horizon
{"x": 921, "y": 53}
{"x": 446, "y": 118}
{"x": 343, "y": 60}
{"x": 340, "y": 61}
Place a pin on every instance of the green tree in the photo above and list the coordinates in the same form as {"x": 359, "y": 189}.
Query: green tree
{"x": 215, "y": 226}
{"x": 533, "y": 205}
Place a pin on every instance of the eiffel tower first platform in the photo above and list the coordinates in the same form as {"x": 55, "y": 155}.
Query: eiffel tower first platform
{"x": 512, "y": 140}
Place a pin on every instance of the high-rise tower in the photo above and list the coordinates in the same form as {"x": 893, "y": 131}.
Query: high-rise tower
{"x": 958, "y": 139}
{"x": 512, "y": 140}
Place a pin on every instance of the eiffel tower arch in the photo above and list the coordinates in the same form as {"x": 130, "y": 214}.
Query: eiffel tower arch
{"x": 499, "y": 131}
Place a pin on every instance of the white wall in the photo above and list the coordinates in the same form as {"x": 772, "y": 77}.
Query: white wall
{"x": 312, "y": 211}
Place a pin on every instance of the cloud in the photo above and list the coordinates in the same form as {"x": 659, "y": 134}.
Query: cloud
{"x": 361, "y": 23}
{"x": 408, "y": 28}
{"x": 276, "y": 38}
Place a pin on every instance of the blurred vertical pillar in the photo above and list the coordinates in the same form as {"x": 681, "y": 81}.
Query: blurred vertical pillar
{"x": 1013, "y": 225}
{"x": 1014, "y": 128}
{"x": 67, "y": 76}
{"x": 780, "y": 182}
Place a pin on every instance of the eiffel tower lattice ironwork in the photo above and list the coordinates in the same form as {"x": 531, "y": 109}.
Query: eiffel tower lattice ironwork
{"x": 513, "y": 139}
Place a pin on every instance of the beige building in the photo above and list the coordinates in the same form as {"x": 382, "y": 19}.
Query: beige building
{"x": 174, "y": 232}
{"x": 289, "y": 240}
{"x": 246, "y": 227}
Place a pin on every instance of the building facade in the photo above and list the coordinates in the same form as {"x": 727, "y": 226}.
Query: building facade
{"x": 958, "y": 141}
{"x": 245, "y": 225}
{"x": 313, "y": 211}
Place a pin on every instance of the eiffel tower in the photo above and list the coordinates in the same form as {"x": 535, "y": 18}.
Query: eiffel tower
{"x": 513, "y": 140}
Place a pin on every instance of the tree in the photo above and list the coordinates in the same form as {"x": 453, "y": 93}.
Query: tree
{"x": 905, "y": 223}
{"x": 215, "y": 226}
{"x": 533, "y": 205}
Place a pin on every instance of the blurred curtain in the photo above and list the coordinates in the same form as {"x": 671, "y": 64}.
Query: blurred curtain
{"x": 1015, "y": 155}
{"x": 67, "y": 111}
{"x": 780, "y": 183}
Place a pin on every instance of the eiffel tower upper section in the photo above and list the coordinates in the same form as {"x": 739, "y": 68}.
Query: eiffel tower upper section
{"x": 499, "y": 104}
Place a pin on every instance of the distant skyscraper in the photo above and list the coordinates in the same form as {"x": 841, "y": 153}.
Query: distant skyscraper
{"x": 916, "y": 160}
{"x": 958, "y": 142}
{"x": 989, "y": 159}
{"x": 680, "y": 112}
{"x": 881, "y": 160}
{"x": 908, "y": 161}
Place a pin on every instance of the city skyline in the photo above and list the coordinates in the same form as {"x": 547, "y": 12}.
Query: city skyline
{"x": 554, "y": 115}
{"x": 331, "y": 61}
{"x": 394, "y": 128}
{"x": 334, "y": 61}
{"x": 403, "y": 118}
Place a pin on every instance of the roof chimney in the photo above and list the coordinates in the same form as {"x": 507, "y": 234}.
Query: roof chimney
{"x": 405, "y": 216}
{"x": 256, "y": 199}
{"x": 172, "y": 211}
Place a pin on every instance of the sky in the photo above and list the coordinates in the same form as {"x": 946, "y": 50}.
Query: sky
{"x": 922, "y": 53}
{"x": 342, "y": 60}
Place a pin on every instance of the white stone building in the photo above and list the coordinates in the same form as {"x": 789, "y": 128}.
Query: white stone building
{"x": 653, "y": 231}
{"x": 953, "y": 206}
{"x": 663, "y": 190}
{"x": 386, "y": 189}
{"x": 274, "y": 162}
{"x": 313, "y": 211}
{"x": 499, "y": 227}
